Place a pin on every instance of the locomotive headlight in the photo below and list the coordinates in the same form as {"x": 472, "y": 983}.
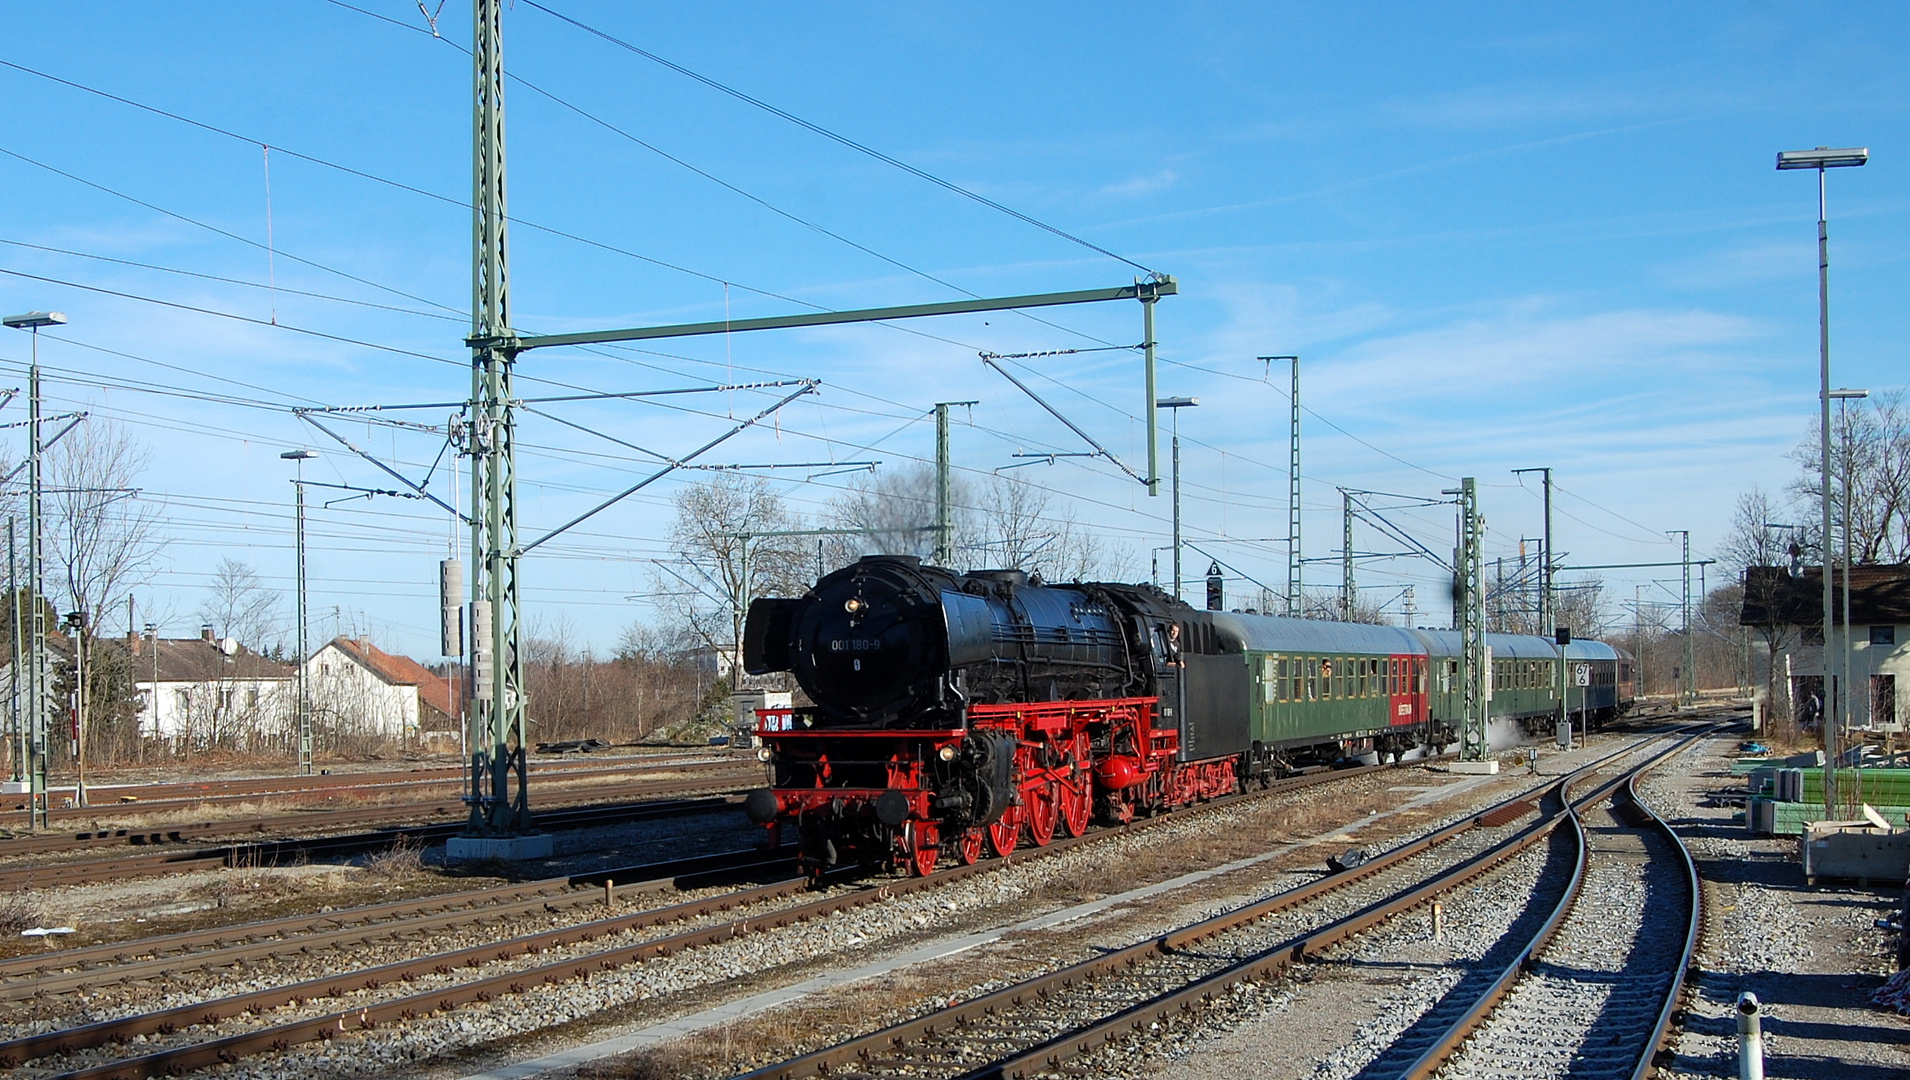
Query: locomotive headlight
{"x": 764, "y": 753}
{"x": 852, "y": 605}
{"x": 946, "y": 753}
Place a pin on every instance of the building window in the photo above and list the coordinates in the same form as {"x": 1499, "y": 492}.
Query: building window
{"x": 1883, "y": 635}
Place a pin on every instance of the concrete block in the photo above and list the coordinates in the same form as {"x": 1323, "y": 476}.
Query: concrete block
{"x": 1488, "y": 767}
{"x": 1854, "y": 850}
{"x": 15, "y": 787}
{"x": 504, "y": 848}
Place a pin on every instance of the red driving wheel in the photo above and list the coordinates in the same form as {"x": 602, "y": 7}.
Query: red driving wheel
{"x": 1039, "y": 805}
{"x": 1005, "y": 831}
{"x": 1077, "y": 803}
{"x": 970, "y": 849}
{"x": 927, "y": 841}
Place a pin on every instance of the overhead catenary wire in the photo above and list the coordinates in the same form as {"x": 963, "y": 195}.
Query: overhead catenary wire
{"x": 844, "y": 140}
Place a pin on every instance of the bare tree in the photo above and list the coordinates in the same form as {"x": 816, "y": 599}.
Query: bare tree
{"x": 101, "y": 537}
{"x": 237, "y": 606}
{"x": 1752, "y": 543}
{"x": 1022, "y": 528}
{"x": 718, "y": 523}
{"x": 1870, "y": 466}
{"x": 1580, "y": 605}
{"x": 101, "y": 540}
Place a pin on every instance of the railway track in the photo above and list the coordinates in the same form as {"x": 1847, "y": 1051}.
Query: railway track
{"x": 1039, "y": 1025}
{"x": 586, "y": 948}
{"x": 276, "y": 852}
{"x": 1591, "y": 993}
{"x": 127, "y": 800}
{"x": 309, "y": 821}
{"x": 170, "y": 957}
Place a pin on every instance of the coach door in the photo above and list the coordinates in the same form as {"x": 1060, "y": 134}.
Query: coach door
{"x": 1404, "y": 706}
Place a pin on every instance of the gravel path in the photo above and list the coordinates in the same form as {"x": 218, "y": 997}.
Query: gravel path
{"x": 1812, "y": 955}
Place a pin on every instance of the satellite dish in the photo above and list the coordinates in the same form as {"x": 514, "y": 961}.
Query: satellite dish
{"x": 229, "y": 646}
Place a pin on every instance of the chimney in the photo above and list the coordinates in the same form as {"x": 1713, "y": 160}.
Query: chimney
{"x": 205, "y": 632}
{"x": 134, "y": 643}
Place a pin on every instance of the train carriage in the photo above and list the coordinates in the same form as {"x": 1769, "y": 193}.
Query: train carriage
{"x": 966, "y": 714}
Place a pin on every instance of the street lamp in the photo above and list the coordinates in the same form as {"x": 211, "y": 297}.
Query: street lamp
{"x": 1843, "y": 421}
{"x": 36, "y": 643}
{"x": 1176, "y": 404}
{"x": 1823, "y": 158}
{"x": 304, "y": 713}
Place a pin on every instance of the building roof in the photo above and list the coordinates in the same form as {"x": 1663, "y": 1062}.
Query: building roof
{"x": 434, "y": 691}
{"x": 1878, "y": 594}
{"x": 186, "y": 660}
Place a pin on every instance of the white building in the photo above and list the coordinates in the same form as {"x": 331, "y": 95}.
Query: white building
{"x": 210, "y": 692}
{"x": 1878, "y": 638}
{"x": 358, "y": 689}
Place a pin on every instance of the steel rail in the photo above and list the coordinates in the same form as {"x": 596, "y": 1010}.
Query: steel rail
{"x": 280, "y": 1036}
{"x": 270, "y": 852}
{"x": 1694, "y": 929}
{"x": 117, "y": 963}
{"x": 170, "y": 795}
{"x": 161, "y": 832}
{"x": 1436, "y": 1056}
{"x": 1629, "y": 808}
{"x": 1271, "y": 962}
{"x": 864, "y": 1050}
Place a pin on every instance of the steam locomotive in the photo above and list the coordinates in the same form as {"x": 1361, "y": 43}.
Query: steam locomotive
{"x": 965, "y": 714}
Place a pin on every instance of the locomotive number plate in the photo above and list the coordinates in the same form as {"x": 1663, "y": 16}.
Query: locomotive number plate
{"x": 855, "y": 645}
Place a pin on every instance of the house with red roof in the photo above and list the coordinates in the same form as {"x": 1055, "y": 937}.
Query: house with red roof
{"x": 364, "y": 690}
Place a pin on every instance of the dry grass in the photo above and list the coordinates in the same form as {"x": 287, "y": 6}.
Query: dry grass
{"x": 400, "y": 861}
{"x": 656, "y": 1063}
{"x": 823, "y": 1020}
{"x": 18, "y": 913}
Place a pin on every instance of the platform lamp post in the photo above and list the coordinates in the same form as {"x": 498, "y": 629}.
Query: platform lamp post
{"x": 1176, "y": 404}
{"x": 36, "y": 640}
{"x": 1821, "y": 159}
{"x": 302, "y": 708}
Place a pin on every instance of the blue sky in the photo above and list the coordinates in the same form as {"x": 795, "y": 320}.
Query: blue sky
{"x": 1500, "y": 236}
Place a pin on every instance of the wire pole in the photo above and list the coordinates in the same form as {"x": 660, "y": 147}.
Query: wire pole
{"x": 1468, "y": 614}
{"x": 944, "y": 516}
{"x": 1349, "y": 592}
{"x": 16, "y": 730}
{"x": 1638, "y": 634}
{"x": 1687, "y": 682}
{"x": 1148, "y": 300}
{"x": 1296, "y": 585}
{"x": 498, "y": 793}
